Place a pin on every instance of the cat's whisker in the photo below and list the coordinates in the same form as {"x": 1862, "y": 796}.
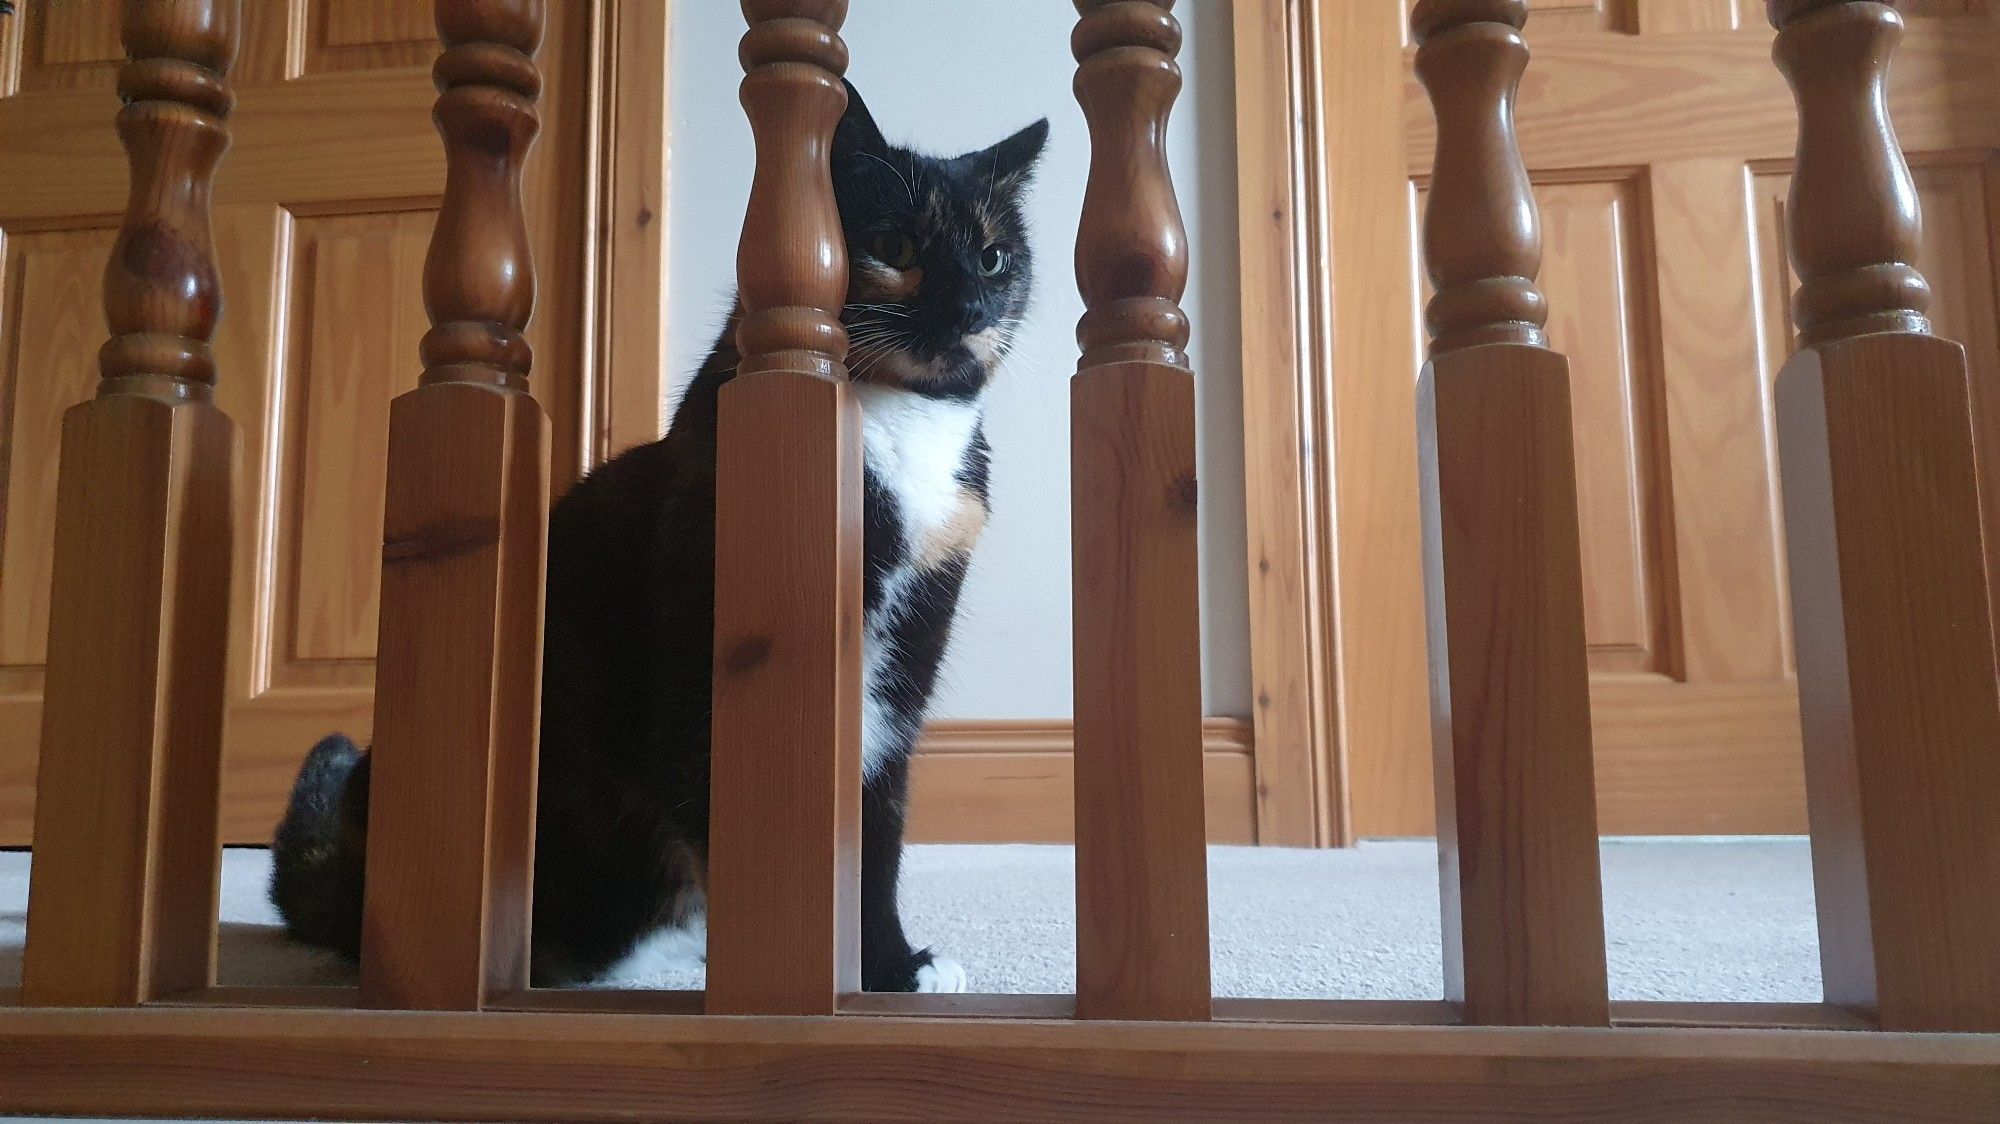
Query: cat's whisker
{"x": 892, "y": 171}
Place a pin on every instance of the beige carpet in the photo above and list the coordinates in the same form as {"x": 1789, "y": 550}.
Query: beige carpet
{"x": 1707, "y": 920}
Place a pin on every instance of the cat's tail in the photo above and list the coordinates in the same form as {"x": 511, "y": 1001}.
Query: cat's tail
{"x": 318, "y": 856}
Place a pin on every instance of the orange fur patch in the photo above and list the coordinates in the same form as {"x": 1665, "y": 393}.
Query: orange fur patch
{"x": 956, "y": 535}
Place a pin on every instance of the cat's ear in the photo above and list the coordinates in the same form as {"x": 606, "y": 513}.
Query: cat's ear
{"x": 857, "y": 132}
{"x": 1012, "y": 161}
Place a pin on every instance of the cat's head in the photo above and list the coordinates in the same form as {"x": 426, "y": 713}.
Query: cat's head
{"x": 938, "y": 258}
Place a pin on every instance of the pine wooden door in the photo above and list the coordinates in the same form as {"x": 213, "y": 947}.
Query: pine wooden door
{"x": 1658, "y": 135}
{"x": 323, "y": 211}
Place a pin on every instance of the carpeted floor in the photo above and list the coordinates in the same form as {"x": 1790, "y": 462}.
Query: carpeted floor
{"x": 1707, "y": 920}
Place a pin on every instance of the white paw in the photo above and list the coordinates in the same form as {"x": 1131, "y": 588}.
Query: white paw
{"x": 942, "y": 974}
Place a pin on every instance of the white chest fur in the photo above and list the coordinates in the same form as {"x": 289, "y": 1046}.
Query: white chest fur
{"x": 914, "y": 446}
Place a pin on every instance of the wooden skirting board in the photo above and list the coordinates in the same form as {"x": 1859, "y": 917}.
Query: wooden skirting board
{"x": 576, "y": 1067}
{"x": 977, "y": 781}
{"x": 1006, "y": 781}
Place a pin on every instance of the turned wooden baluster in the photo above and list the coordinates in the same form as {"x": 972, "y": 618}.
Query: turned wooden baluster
{"x": 784, "y": 845}
{"x": 1141, "y": 858}
{"x": 1890, "y": 600}
{"x": 123, "y": 900}
{"x": 1510, "y": 700}
{"x": 464, "y": 542}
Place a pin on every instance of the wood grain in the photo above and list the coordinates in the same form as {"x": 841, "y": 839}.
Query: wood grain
{"x": 1891, "y": 606}
{"x": 1517, "y": 823}
{"x": 54, "y": 319}
{"x": 785, "y": 788}
{"x": 1375, "y": 592}
{"x": 366, "y": 35}
{"x": 785, "y": 842}
{"x": 464, "y": 551}
{"x": 1298, "y": 803}
{"x": 1014, "y": 782}
{"x": 1899, "y": 699}
{"x": 1141, "y": 865}
{"x": 1602, "y": 310}
{"x": 347, "y": 161}
{"x": 274, "y": 1064}
{"x": 1689, "y": 118}
{"x": 631, "y": 152}
{"x": 1629, "y": 101}
{"x": 123, "y": 893}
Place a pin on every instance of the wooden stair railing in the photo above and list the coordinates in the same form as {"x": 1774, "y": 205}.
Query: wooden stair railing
{"x": 1503, "y": 573}
{"x": 1890, "y": 603}
{"x": 785, "y": 779}
{"x": 122, "y": 907}
{"x": 464, "y": 550}
{"x": 1141, "y": 844}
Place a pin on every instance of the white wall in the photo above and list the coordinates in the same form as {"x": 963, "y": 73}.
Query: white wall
{"x": 951, "y": 76}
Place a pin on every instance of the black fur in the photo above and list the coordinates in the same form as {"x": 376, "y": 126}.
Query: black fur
{"x": 622, "y": 828}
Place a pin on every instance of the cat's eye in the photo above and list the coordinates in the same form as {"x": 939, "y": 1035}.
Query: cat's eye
{"x": 992, "y": 261}
{"x": 897, "y": 251}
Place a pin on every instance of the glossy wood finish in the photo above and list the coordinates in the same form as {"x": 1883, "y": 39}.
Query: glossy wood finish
{"x": 359, "y": 1065}
{"x": 1656, "y": 136}
{"x": 457, "y": 702}
{"x": 323, "y": 210}
{"x": 1517, "y": 824}
{"x": 784, "y": 842}
{"x": 1141, "y": 863}
{"x": 126, "y": 860}
{"x": 1890, "y": 603}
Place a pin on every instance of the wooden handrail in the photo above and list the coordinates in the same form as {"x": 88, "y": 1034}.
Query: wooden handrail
{"x": 1891, "y": 605}
{"x": 1510, "y": 693}
{"x": 785, "y": 780}
{"x": 122, "y": 905}
{"x": 1141, "y": 875}
{"x": 464, "y": 551}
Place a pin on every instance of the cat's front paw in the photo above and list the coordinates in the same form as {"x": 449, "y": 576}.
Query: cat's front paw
{"x": 942, "y": 974}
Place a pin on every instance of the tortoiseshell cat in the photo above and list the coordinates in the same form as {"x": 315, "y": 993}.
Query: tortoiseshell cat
{"x": 939, "y": 280}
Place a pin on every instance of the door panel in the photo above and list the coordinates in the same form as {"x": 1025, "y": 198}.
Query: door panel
{"x": 324, "y": 207}
{"x": 1658, "y": 136}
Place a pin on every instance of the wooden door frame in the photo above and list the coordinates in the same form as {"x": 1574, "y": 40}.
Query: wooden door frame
{"x": 1274, "y": 777}
{"x": 1329, "y": 405}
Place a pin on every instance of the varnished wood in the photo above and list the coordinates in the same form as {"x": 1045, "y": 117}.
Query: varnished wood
{"x": 360, "y": 1064}
{"x": 457, "y": 701}
{"x": 1357, "y": 175}
{"x": 1890, "y": 603}
{"x": 1510, "y": 703}
{"x": 1298, "y": 802}
{"x": 1013, "y": 781}
{"x": 1854, "y": 214}
{"x": 1482, "y": 231}
{"x": 123, "y": 893}
{"x": 784, "y": 841}
{"x": 323, "y": 207}
{"x": 1141, "y": 865}
{"x": 630, "y": 154}
{"x": 1661, "y": 114}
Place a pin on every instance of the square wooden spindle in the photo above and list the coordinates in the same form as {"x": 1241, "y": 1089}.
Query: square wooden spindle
{"x": 785, "y": 779}
{"x": 451, "y": 803}
{"x": 122, "y": 904}
{"x": 1141, "y": 848}
{"x": 1897, "y": 688}
{"x": 1510, "y": 694}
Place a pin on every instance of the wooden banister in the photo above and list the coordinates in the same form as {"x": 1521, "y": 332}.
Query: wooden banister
{"x": 1890, "y": 601}
{"x": 785, "y": 783}
{"x": 458, "y": 671}
{"x": 1141, "y": 854}
{"x": 1510, "y": 699}
{"x": 122, "y": 907}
